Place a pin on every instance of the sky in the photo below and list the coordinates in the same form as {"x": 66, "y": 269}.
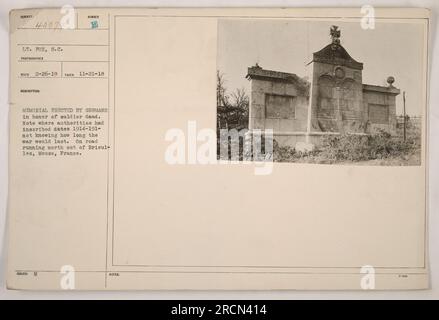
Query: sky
{"x": 391, "y": 49}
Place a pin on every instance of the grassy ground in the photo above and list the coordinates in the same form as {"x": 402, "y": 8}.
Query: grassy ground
{"x": 377, "y": 149}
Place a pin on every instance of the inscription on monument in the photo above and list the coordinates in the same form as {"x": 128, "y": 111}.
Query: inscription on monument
{"x": 279, "y": 106}
{"x": 379, "y": 113}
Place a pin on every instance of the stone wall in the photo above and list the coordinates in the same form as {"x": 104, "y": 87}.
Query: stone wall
{"x": 337, "y": 94}
{"x": 381, "y": 108}
{"x": 278, "y": 105}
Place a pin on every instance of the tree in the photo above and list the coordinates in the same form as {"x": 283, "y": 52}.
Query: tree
{"x": 221, "y": 97}
{"x": 232, "y": 110}
{"x": 241, "y": 102}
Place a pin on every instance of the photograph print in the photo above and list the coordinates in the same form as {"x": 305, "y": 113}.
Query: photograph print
{"x": 323, "y": 92}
